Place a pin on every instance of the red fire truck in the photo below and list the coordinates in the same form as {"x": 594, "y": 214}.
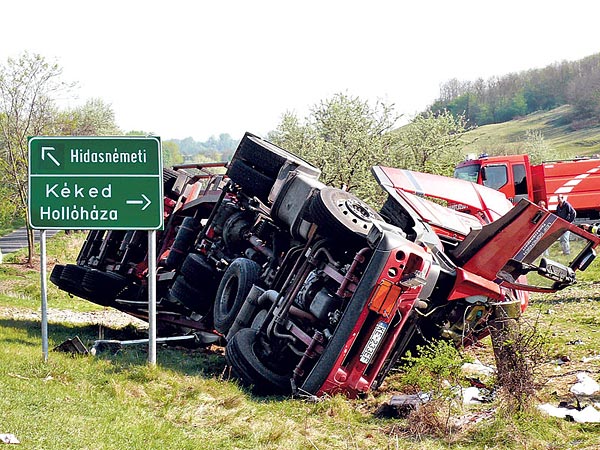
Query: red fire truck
{"x": 578, "y": 180}
{"x": 312, "y": 291}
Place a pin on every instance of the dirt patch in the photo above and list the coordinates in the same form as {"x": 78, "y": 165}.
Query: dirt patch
{"x": 106, "y": 317}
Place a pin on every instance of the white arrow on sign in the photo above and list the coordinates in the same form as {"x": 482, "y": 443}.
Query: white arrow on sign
{"x": 46, "y": 152}
{"x": 140, "y": 202}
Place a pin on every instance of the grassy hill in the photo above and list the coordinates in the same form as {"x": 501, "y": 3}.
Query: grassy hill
{"x": 565, "y": 138}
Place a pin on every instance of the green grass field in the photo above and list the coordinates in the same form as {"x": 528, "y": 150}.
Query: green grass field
{"x": 115, "y": 401}
{"x": 559, "y": 135}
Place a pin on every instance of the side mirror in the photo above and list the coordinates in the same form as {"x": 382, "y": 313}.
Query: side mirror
{"x": 483, "y": 174}
{"x": 556, "y": 271}
{"x": 585, "y": 259}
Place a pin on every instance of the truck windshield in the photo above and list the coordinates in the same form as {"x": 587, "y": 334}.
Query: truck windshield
{"x": 469, "y": 173}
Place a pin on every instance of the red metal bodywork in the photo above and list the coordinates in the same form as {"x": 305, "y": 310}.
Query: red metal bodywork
{"x": 325, "y": 306}
{"x": 578, "y": 180}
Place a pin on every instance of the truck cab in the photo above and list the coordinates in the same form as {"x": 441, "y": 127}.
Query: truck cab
{"x": 510, "y": 175}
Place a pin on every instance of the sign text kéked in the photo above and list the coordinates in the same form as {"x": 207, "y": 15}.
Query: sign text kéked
{"x": 95, "y": 183}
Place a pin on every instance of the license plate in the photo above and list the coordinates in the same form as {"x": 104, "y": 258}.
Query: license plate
{"x": 373, "y": 342}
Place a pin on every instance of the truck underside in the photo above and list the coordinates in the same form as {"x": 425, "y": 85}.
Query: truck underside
{"x": 310, "y": 289}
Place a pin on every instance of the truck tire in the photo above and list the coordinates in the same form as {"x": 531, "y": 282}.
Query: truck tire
{"x": 72, "y": 276}
{"x": 233, "y": 289}
{"x": 197, "y": 270}
{"x": 341, "y": 215}
{"x": 186, "y": 235}
{"x": 252, "y": 182}
{"x": 196, "y": 299}
{"x": 169, "y": 177}
{"x": 261, "y": 159}
{"x": 55, "y": 274}
{"x": 243, "y": 354}
{"x": 103, "y": 287}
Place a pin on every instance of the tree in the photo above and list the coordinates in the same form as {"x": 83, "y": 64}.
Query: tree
{"x": 536, "y": 147}
{"x": 344, "y": 136}
{"x": 431, "y": 143}
{"x": 94, "y": 118}
{"x": 28, "y": 86}
{"x": 171, "y": 154}
{"x": 584, "y": 94}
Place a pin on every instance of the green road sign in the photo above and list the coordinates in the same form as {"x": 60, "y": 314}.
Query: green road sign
{"x": 106, "y": 183}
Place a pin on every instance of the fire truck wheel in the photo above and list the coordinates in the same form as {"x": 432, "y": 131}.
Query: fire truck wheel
{"x": 253, "y": 182}
{"x": 235, "y": 285}
{"x": 72, "y": 276}
{"x": 103, "y": 287}
{"x": 340, "y": 215}
{"x": 259, "y": 319}
{"x": 55, "y": 274}
{"x": 262, "y": 159}
{"x": 169, "y": 177}
{"x": 186, "y": 234}
{"x": 197, "y": 300}
{"x": 197, "y": 270}
{"x": 243, "y": 354}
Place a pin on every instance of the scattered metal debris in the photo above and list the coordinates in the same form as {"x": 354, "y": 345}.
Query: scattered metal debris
{"x": 585, "y": 385}
{"x": 73, "y": 345}
{"x": 8, "y": 438}
{"x": 589, "y": 414}
{"x": 115, "y": 345}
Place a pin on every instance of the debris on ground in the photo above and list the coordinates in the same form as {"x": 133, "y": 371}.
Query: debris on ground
{"x": 477, "y": 367}
{"x": 585, "y": 385}
{"x": 591, "y": 358}
{"x": 73, "y": 346}
{"x": 474, "y": 395}
{"x": 400, "y": 406}
{"x": 9, "y": 439}
{"x": 589, "y": 414}
{"x": 473, "y": 418}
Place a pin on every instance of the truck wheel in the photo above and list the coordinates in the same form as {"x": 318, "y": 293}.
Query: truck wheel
{"x": 243, "y": 353}
{"x": 72, "y": 275}
{"x": 103, "y": 287}
{"x": 252, "y": 181}
{"x": 340, "y": 215}
{"x": 197, "y": 300}
{"x": 169, "y": 177}
{"x": 197, "y": 270}
{"x": 261, "y": 159}
{"x": 186, "y": 234}
{"x": 233, "y": 289}
{"x": 55, "y": 274}
{"x": 266, "y": 157}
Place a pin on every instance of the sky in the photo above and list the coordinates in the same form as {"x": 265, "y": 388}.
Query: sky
{"x": 197, "y": 69}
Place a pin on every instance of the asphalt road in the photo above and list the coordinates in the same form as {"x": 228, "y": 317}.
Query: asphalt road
{"x": 18, "y": 240}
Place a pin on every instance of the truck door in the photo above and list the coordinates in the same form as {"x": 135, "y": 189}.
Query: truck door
{"x": 520, "y": 182}
{"x": 495, "y": 176}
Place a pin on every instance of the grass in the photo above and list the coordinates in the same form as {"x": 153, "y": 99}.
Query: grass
{"x": 188, "y": 401}
{"x": 558, "y": 135}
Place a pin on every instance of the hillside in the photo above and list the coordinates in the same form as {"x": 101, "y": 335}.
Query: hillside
{"x": 555, "y": 125}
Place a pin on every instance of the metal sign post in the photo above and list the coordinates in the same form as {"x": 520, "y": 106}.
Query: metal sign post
{"x": 97, "y": 183}
{"x": 44, "y": 289}
{"x": 152, "y": 298}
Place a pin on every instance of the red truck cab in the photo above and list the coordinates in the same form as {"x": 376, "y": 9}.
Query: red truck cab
{"x": 513, "y": 175}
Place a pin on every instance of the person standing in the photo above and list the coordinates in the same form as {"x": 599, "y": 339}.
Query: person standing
{"x": 565, "y": 211}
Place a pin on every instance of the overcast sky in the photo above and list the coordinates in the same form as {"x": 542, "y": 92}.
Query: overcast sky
{"x": 199, "y": 68}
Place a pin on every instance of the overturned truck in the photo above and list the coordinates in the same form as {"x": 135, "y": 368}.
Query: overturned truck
{"x": 310, "y": 289}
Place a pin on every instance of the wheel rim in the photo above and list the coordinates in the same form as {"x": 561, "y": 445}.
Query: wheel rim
{"x": 356, "y": 212}
{"x": 339, "y": 211}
